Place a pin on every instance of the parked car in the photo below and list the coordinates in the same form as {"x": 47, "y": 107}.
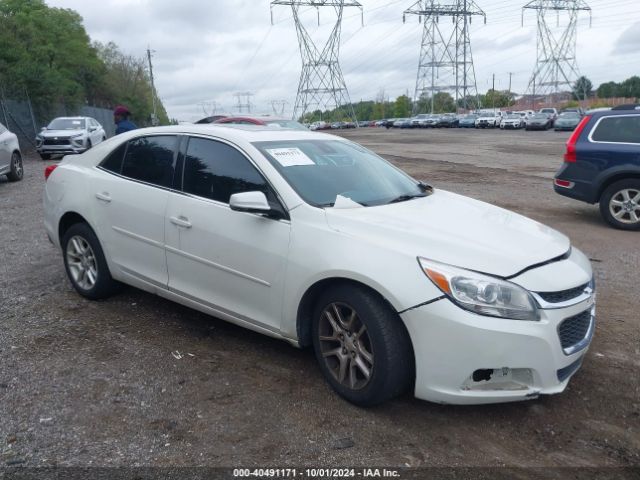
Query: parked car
{"x": 539, "y": 121}
{"x": 567, "y": 121}
{"x": 602, "y": 165}
{"x": 551, "y": 112}
{"x": 402, "y": 123}
{"x": 488, "y": 120}
{"x": 10, "y": 156}
{"x": 211, "y": 119}
{"x": 513, "y": 121}
{"x": 69, "y": 135}
{"x": 320, "y": 126}
{"x": 419, "y": 121}
{"x": 468, "y": 121}
{"x": 432, "y": 121}
{"x": 388, "y": 123}
{"x": 577, "y": 110}
{"x": 262, "y": 120}
{"x": 317, "y": 241}
{"x": 448, "y": 120}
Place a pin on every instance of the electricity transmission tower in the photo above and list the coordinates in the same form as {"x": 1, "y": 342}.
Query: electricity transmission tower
{"x": 446, "y": 63}
{"x": 322, "y": 86}
{"x": 556, "y": 64}
{"x": 278, "y": 107}
{"x": 244, "y": 101}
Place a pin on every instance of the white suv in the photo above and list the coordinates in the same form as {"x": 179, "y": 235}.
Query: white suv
{"x": 66, "y": 135}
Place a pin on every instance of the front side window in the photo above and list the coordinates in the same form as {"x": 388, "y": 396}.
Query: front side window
{"x": 2, "y": 128}
{"x": 151, "y": 160}
{"x": 322, "y": 170}
{"x": 215, "y": 170}
{"x": 622, "y": 129}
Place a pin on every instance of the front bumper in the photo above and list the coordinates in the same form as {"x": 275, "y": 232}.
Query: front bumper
{"x": 524, "y": 359}
{"x": 60, "y": 149}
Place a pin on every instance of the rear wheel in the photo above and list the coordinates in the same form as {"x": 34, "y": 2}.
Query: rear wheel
{"x": 17, "y": 171}
{"x": 85, "y": 263}
{"x": 363, "y": 348}
{"x": 620, "y": 204}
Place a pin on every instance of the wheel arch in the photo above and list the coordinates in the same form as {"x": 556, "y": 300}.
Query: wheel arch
{"x": 626, "y": 175}
{"x": 67, "y": 221}
{"x": 304, "y": 318}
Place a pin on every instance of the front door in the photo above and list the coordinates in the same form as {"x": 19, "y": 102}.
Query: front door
{"x": 230, "y": 261}
{"x": 5, "y": 148}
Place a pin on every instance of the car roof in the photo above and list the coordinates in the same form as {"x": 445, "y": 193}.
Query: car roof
{"x": 233, "y": 132}
{"x": 70, "y": 118}
{"x": 611, "y": 113}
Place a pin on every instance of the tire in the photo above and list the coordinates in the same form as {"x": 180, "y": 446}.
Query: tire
{"x": 45, "y": 156}
{"x": 376, "y": 337}
{"x": 89, "y": 145}
{"x": 17, "y": 170}
{"x": 620, "y": 204}
{"x": 80, "y": 245}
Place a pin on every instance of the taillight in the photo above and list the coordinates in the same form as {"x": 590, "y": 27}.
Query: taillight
{"x": 48, "y": 170}
{"x": 570, "y": 155}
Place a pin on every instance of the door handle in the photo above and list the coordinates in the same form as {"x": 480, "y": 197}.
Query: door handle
{"x": 180, "y": 221}
{"x": 104, "y": 196}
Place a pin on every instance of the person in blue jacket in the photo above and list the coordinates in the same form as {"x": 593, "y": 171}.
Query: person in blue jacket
{"x": 121, "y": 119}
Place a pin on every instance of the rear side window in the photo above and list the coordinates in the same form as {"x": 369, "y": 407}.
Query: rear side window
{"x": 151, "y": 160}
{"x": 113, "y": 162}
{"x": 216, "y": 171}
{"x": 619, "y": 129}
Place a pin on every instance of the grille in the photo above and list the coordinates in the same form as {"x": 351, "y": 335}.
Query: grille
{"x": 574, "y": 329}
{"x": 564, "y": 295}
{"x": 59, "y": 141}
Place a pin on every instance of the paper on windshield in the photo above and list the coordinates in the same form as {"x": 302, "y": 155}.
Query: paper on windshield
{"x": 290, "y": 157}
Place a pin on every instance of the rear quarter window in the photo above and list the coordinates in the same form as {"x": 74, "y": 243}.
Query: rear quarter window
{"x": 618, "y": 129}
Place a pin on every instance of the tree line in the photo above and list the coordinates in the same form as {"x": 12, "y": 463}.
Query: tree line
{"x": 47, "y": 56}
{"x": 443, "y": 102}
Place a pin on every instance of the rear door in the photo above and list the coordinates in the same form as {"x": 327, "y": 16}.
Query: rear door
{"x": 227, "y": 260}
{"x": 130, "y": 194}
{"x": 611, "y": 146}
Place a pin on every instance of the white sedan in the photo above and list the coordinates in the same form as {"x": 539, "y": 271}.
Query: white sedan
{"x": 314, "y": 239}
{"x": 10, "y": 156}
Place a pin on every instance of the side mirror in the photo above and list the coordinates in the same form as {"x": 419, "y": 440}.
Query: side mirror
{"x": 251, "y": 202}
{"x": 93, "y": 129}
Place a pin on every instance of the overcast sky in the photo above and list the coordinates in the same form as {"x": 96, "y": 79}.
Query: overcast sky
{"x": 207, "y": 50}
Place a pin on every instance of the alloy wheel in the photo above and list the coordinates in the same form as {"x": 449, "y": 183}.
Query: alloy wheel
{"x": 16, "y": 160}
{"x": 82, "y": 262}
{"x": 625, "y": 206}
{"x": 346, "y": 346}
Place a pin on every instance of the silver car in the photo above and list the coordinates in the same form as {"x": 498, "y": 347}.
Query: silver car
{"x": 66, "y": 135}
{"x": 10, "y": 156}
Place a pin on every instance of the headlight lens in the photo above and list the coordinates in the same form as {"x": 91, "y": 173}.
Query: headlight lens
{"x": 480, "y": 293}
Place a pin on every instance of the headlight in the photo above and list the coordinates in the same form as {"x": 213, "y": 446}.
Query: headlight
{"x": 77, "y": 135}
{"x": 480, "y": 293}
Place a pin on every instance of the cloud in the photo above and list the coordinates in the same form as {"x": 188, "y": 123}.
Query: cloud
{"x": 629, "y": 41}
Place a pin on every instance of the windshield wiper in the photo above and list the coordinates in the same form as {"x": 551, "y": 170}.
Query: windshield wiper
{"x": 404, "y": 198}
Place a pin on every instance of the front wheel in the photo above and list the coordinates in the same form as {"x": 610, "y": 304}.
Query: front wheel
{"x": 85, "y": 263}
{"x": 362, "y": 346}
{"x": 17, "y": 171}
{"x": 620, "y": 204}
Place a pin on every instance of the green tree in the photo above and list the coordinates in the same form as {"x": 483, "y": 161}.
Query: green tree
{"x": 630, "y": 87}
{"x": 608, "y": 90}
{"x": 497, "y": 99}
{"x": 402, "y": 107}
{"x": 582, "y": 89}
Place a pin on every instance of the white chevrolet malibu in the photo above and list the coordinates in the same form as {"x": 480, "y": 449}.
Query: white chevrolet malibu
{"x": 314, "y": 239}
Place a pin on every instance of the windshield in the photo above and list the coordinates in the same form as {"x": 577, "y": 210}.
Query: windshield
{"x": 286, "y": 124}
{"x": 513, "y": 117}
{"x": 66, "y": 124}
{"x": 470, "y": 116}
{"x": 569, "y": 115}
{"x": 540, "y": 116}
{"x": 546, "y": 110}
{"x": 321, "y": 170}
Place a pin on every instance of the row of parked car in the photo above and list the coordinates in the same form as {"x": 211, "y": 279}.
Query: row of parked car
{"x": 544, "y": 119}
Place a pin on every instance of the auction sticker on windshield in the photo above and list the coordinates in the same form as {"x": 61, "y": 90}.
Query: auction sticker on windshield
{"x": 290, "y": 157}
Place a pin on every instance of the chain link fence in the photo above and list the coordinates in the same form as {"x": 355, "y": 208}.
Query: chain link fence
{"x": 20, "y": 117}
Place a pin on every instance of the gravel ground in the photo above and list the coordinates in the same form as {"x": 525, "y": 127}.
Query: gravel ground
{"x": 95, "y": 383}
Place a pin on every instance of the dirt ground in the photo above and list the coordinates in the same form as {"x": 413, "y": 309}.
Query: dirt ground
{"x": 95, "y": 383}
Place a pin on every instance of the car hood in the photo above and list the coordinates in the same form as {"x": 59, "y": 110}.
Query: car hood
{"x": 456, "y": 230}
{"x": 61, "y": 133}
{"x": 567, "y": 121}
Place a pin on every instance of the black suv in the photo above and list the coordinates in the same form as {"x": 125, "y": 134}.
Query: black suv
{"x": 602, "y": 165}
